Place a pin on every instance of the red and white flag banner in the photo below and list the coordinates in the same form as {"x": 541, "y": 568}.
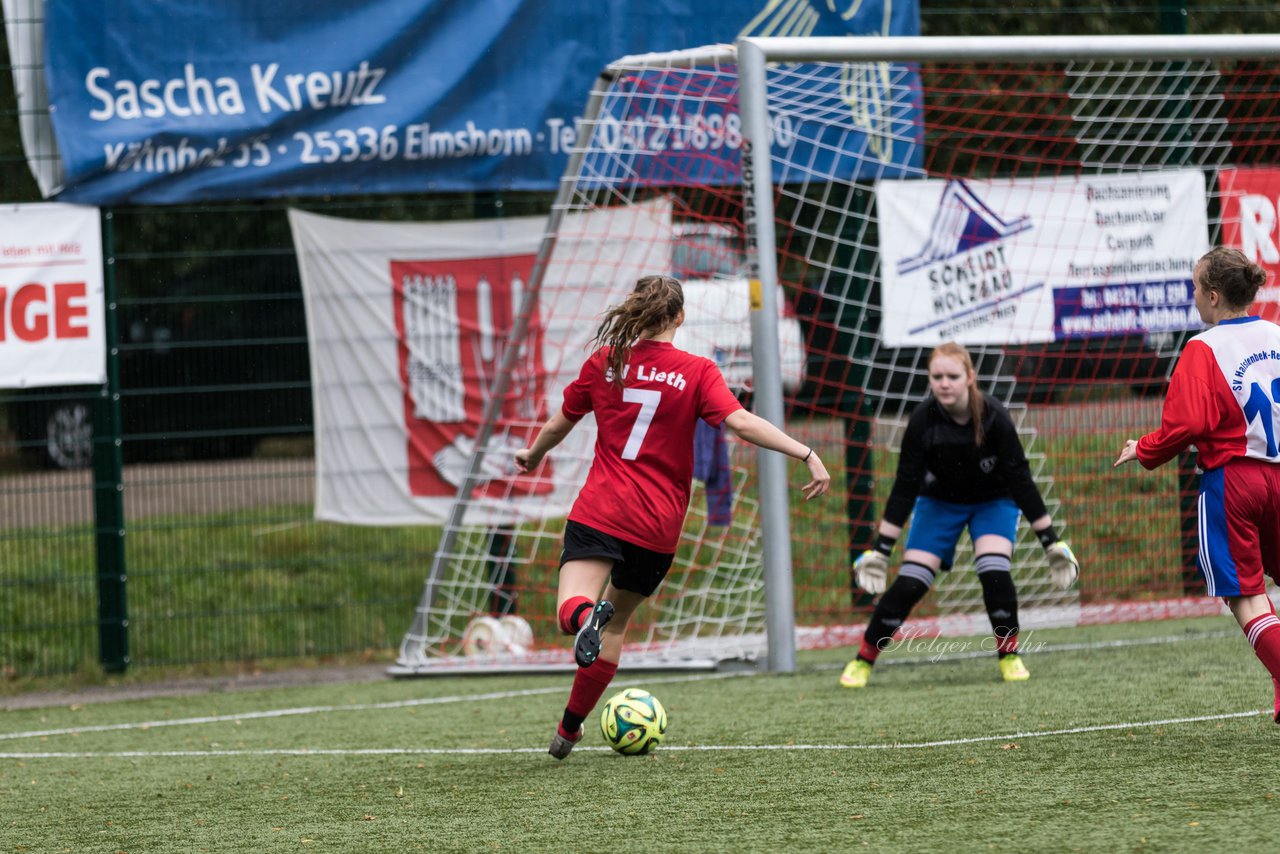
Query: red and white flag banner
{"x": 409, "y": 324}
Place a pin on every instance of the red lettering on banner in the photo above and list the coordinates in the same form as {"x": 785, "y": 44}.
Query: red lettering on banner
{"x": 29, "y": 325}
{"x": 27, "y": 314}
{"x": 66, "y": 312}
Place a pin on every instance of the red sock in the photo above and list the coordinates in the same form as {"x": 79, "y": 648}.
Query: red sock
{"x": 868, "y": 651}
{"x": 589, "y": 685}
{"x": 1274, "y": 680}
{"x": 1264, "y": 633}
{"x": 1007, "y": 645}
{"x": 573, "y": 612}
{"x": 572, "y": 736}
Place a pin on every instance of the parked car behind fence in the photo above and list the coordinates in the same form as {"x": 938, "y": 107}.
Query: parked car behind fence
{"x": 217, "y": 361}
{"x": 210, "y": 366}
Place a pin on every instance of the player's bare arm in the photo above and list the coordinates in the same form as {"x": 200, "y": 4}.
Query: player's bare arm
{"x": 551, "y": 434}
{"x": 754, "y": 429}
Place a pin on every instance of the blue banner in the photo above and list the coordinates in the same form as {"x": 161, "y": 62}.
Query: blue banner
{"x": 237, "y": 99}
{"x": 1164, "y": 305}
{"x": 680, "y": 126}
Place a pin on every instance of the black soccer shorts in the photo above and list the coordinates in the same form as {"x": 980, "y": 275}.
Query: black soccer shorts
{"x": 635, "y": 568}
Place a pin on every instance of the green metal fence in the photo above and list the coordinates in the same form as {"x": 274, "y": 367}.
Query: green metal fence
{"x": 188, "y": 479}
{"x": 166, "y": 517}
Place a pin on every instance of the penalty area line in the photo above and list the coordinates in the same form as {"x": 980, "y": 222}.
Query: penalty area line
{"x": 700, "y": 748}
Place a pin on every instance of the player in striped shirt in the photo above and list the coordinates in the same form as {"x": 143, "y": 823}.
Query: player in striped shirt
{"x": 647, "y": 396}
{"x": 1224, "y": 398}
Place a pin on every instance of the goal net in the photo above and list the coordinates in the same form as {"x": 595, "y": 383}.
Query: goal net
{"x": 859, "y": 201}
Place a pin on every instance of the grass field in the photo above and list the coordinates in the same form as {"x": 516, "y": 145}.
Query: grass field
{"x": 1139, "y": 737}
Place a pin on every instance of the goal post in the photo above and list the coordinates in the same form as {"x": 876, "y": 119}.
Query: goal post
{"x": 836, "y": 207}
{"x": 762, "y": 275}
{"x": 753, "y": 56}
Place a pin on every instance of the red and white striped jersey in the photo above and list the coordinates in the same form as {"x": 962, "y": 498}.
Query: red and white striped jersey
{"x": 1224, "y": 397}
{"x": 640, "y": 479}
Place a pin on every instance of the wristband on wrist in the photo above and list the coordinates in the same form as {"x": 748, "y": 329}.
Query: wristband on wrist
{"x": 884, "y": 544}
{"x": 1047, "y": 537}
{"x": 805, "y": 458}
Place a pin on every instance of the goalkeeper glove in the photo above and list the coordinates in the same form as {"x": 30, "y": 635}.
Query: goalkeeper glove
{"x": 1064, "y": 569}
{"x": 871, "y": 569}
{"x": 1063, "y": 566}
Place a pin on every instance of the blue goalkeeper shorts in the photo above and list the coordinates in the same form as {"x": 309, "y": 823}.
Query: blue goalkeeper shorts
{"x": 936, "y": 525}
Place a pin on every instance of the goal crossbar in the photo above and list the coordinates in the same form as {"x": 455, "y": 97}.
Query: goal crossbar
{"x": 1013, "y": 48}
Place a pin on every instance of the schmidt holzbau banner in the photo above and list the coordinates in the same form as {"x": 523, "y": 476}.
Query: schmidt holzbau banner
{"x": 51, "y": 331}
{"x": 1042, "y": 259}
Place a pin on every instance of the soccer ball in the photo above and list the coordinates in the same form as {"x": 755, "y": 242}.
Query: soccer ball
{"x": 483, "y": 637}
{"x": 493, "y": 637}
{"x": 633, "y": 722}
{"x": 517, "y": 634}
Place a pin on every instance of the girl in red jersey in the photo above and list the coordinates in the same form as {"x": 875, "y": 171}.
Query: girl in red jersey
{"x": 1224, "y": 398}
{"x": 622, "y": 532}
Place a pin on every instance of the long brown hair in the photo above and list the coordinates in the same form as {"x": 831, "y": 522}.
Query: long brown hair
{"x": 651, "y": 306}
{"x": 977, "y": 406}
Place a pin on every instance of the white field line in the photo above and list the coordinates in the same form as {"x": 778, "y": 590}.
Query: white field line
{"x": 704, "y": 748}
{"x": 557, "y": 689}
{"x": 356, "y": 707}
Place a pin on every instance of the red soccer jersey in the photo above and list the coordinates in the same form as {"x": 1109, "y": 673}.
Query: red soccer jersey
{"x": 1223, "y": 398}
{"x": 640, "y": 479}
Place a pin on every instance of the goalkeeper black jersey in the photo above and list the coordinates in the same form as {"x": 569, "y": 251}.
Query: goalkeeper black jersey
{"x": 940, "y": 459}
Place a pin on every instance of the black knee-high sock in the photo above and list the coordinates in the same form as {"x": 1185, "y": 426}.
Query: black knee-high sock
{"x": 1001, "y": 598}
{"x": 912, "y": 583}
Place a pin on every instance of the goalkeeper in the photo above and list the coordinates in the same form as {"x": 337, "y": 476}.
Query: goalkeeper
{"x": 961, "y": 466}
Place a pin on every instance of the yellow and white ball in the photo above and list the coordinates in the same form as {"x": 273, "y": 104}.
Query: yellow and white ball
{"x": 633, "y": 722}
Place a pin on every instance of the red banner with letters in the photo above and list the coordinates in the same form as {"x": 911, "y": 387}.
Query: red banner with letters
{"x": 1251, "y": 223}
{"x": 409, "y": 326}
{"x": 453, "y": 320}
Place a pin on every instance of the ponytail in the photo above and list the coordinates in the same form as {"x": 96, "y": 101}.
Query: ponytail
{"x": 653, "y": 304}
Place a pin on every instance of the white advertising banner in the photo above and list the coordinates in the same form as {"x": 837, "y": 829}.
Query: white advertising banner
{"x": 52, "y": 329}
{"x": 1036, "y": 260}
{"x": 408, "y": 324}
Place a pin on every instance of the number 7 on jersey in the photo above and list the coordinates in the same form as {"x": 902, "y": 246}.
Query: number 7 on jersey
{"x": 648, "y": 400}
